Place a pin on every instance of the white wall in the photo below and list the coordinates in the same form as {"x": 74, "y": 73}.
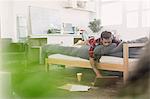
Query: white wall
{"x": 6, "y": 14}
{"x": 10, "y": 10}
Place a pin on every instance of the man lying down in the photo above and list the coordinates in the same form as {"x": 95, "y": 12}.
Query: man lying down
{"x": 93, "y": 50}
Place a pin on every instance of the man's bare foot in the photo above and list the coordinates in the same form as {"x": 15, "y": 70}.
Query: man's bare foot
{"x": 98, "y": 75}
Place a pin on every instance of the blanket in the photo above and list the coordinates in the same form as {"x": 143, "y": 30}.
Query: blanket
{"x": 65, "y": 50}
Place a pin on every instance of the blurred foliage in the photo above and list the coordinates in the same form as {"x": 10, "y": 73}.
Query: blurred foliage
{"x": 95, "y": 25}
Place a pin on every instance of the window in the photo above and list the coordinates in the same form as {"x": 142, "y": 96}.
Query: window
{"x": 132, "y": 5}
{"x": 145, "y": 4}
{"x": 132, "y": 20}
{"x": 146, "y": 18}
{"x": 146, "y": 13}
{"x": 132, "y": 13}
{"x": 111, "y": 13}
{"x": 132, "y": 8}
{"x": 138, "y": 12}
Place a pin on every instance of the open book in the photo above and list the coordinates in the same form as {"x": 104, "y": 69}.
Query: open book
{"x": 74, "y": 87}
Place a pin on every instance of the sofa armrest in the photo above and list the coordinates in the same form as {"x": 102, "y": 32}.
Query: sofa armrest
{"x": 126, "y": 47}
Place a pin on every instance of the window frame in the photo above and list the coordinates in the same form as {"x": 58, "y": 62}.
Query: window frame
{"x": 140, "y": 9}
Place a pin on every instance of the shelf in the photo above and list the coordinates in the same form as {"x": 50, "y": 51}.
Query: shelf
{"x": 81, "y": 9}
{"x": 88, "y": 5}
{"x": 46, "y": 35}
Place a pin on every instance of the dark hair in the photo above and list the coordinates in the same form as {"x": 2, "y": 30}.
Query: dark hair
{"x": 106, "y": 35}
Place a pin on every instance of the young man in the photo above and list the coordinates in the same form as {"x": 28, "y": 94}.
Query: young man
{"x": 104, "y": 48}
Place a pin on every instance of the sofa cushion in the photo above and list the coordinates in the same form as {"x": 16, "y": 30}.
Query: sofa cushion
{"x": 66, "y": 57}
{"x": 115, "y": 60}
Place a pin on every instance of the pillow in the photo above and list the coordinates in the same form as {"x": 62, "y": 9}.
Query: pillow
{"x": 139, "y": 40}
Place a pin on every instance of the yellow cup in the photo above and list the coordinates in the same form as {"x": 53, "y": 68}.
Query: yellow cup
{"x": 79, "y": 76}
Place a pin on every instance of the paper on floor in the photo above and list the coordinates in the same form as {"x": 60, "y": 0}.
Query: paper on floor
{"x": 74, "y": 87}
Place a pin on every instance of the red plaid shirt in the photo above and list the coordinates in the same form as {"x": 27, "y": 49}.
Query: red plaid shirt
{"x": 92, "y": 42}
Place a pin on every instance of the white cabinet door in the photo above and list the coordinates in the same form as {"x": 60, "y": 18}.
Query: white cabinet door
{"x": 64, "y": 40}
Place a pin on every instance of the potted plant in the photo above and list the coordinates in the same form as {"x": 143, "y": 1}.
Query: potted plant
{"x": 95, "y": 25}
{"x": 49, "y": 31}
